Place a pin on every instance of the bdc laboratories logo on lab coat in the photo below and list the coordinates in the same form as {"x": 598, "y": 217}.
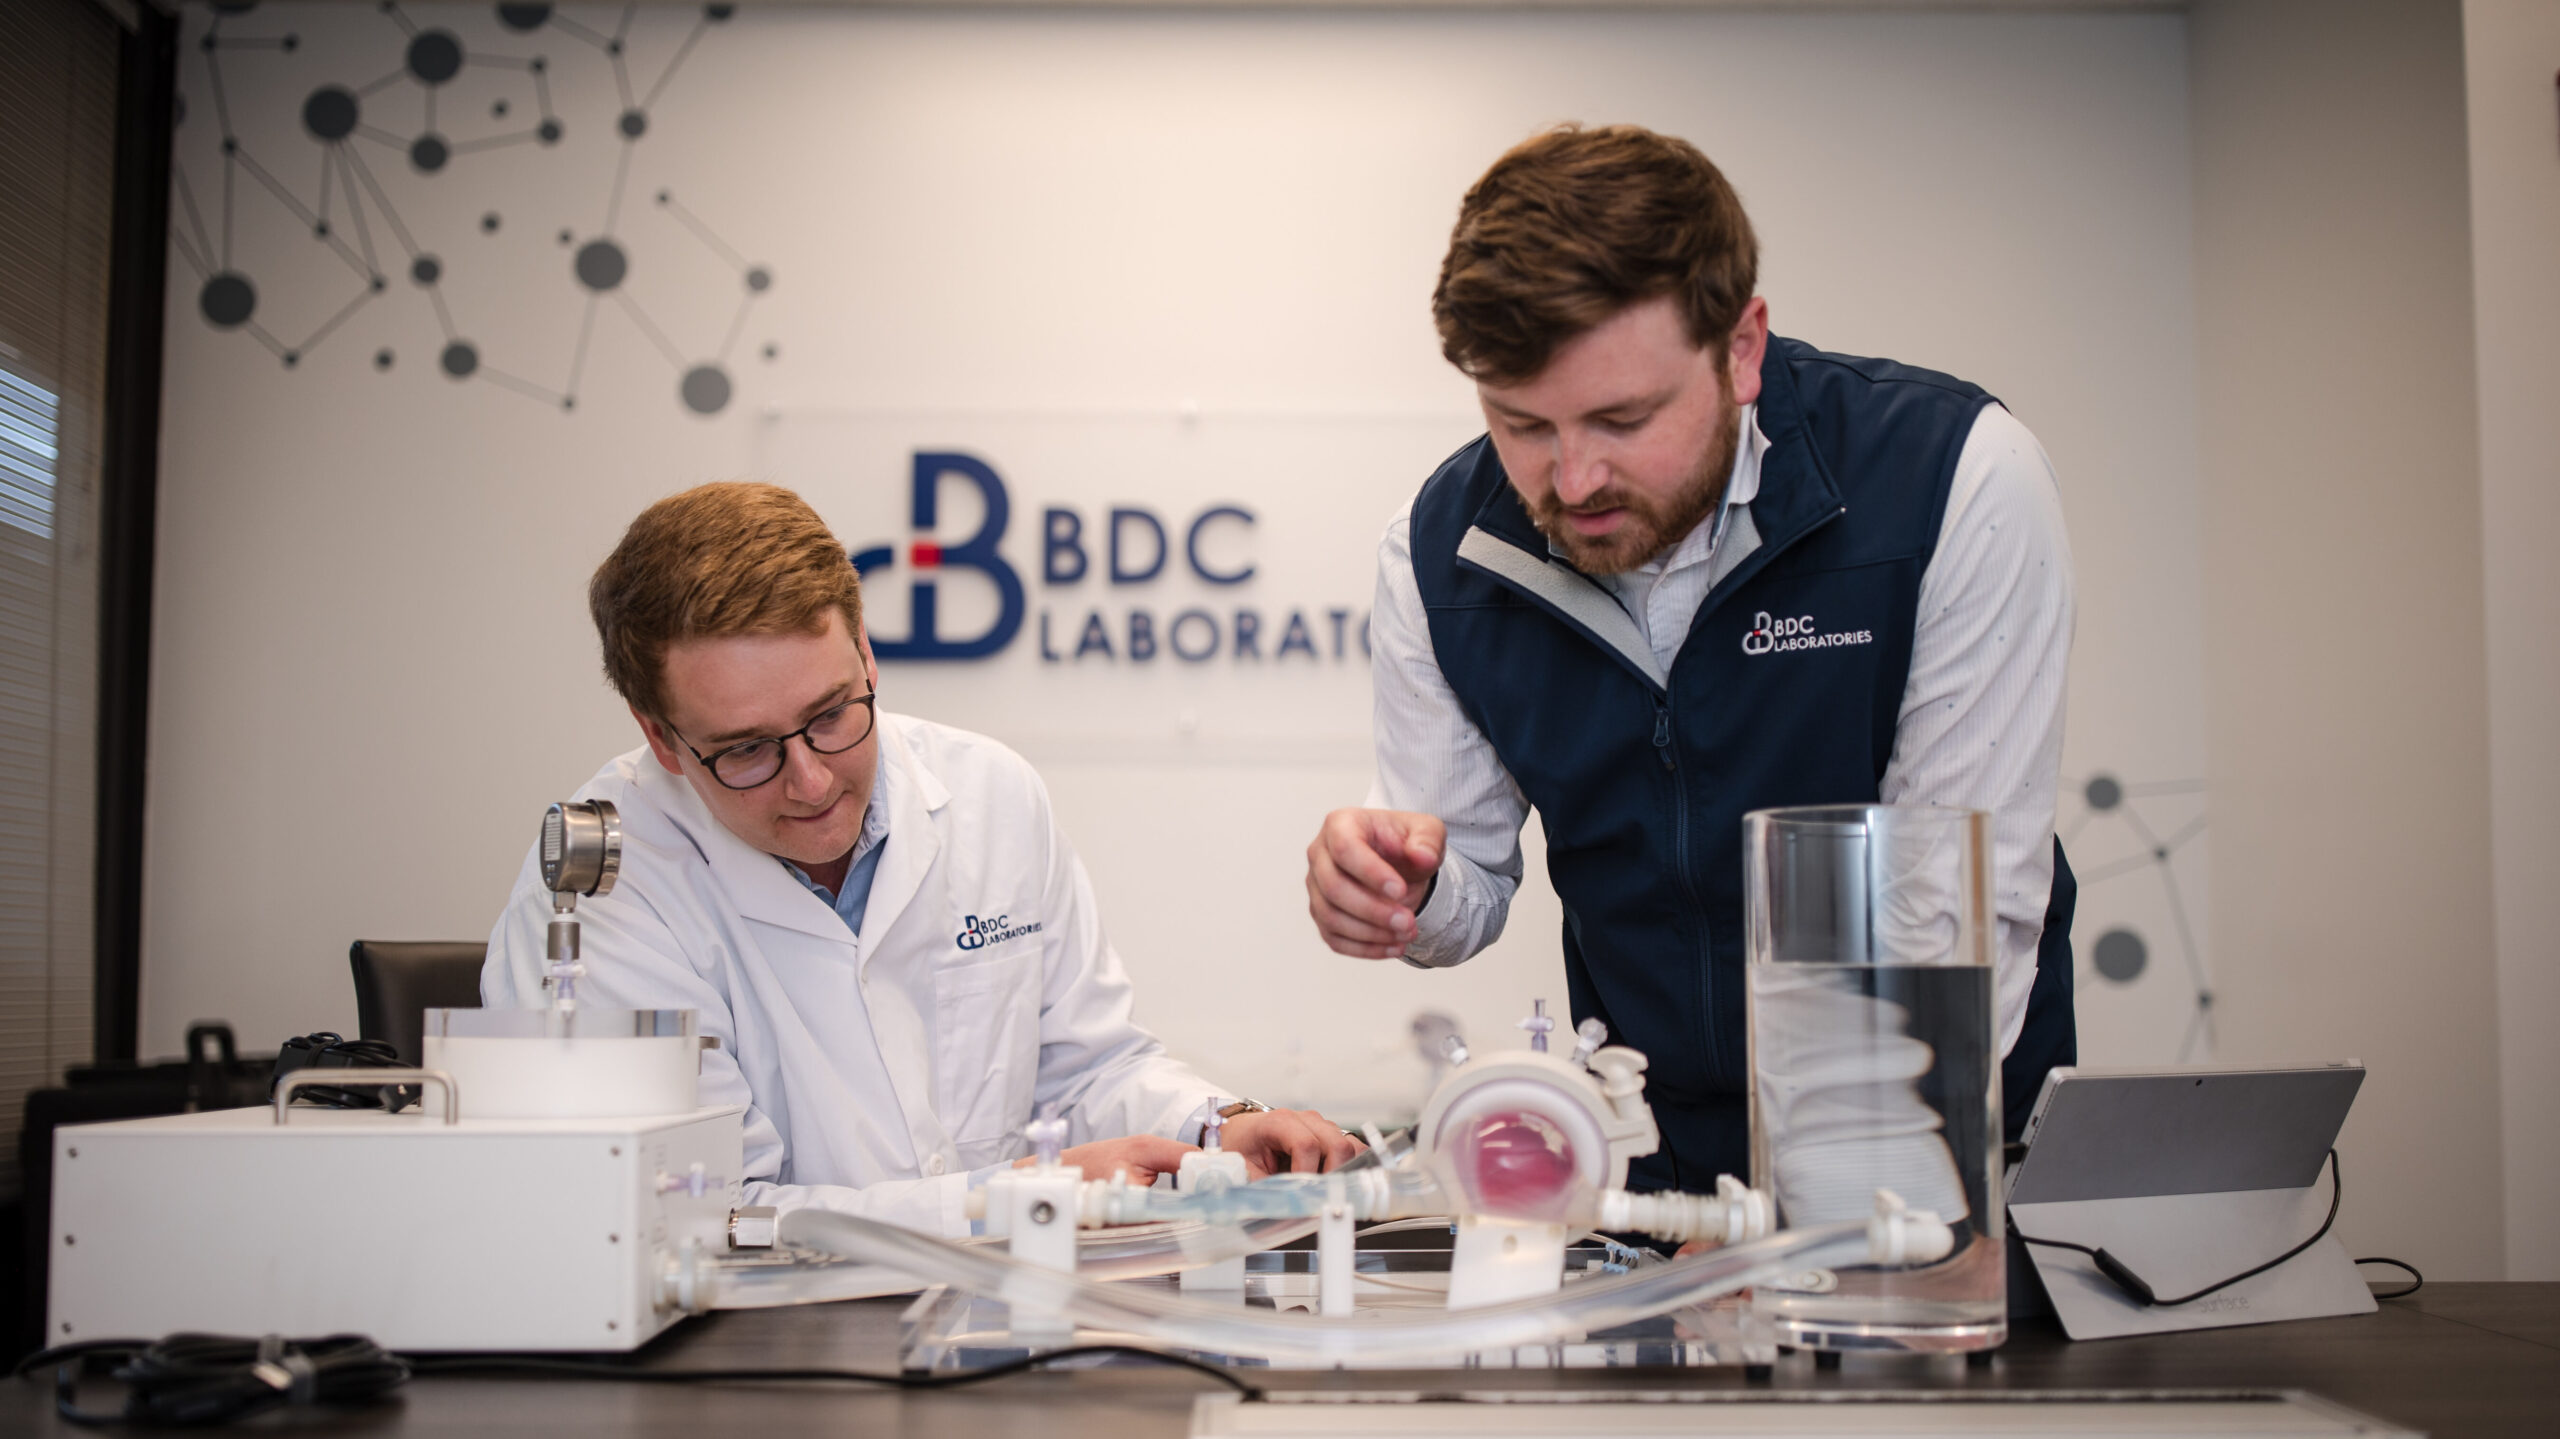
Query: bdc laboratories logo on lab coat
{"x": 976, "y": 933}
{"x": 1797, "y": 633}
{"x": 1137, "y": 547}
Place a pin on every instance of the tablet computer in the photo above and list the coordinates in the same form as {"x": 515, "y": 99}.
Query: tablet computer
{"x": 2189, "y": 1176}
{"x": 2135, "y": 1133}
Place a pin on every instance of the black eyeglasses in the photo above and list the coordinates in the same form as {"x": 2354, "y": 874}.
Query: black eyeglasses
{"x": 744, "y": 766}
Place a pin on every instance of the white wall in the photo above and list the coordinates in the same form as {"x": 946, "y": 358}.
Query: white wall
{"x": 372, "y": 663}
{"x": 2511, "y": 48}
{"x": 2346, "y": 671}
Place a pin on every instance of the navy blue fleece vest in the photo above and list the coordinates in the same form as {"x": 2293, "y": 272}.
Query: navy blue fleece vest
{"x": 1786, "y": 692}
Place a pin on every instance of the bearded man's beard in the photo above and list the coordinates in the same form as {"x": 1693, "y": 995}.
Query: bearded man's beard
{"x": 1651, "y": 527}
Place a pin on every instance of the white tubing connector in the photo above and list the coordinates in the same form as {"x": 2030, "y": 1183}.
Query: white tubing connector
{"x": 1734, "y": 1213}
{"x": 1899, "y": 1234}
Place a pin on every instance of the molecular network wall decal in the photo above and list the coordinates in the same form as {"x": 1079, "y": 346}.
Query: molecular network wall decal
{"x": 349, "y": 215}
{"x": 2120, "y": 954}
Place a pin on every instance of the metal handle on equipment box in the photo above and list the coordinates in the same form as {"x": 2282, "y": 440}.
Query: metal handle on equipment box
{"x": 346, "y": 1078}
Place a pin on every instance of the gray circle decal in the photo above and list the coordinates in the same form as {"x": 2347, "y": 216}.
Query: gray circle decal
{"x": 435, "y": 56}
{"x": 229, "y": 300}
{"x": 602, "y": 265}
{"x": 330, "y": 113}
{"x": 2121, "y": 955}
{"x": 706, "y": 389}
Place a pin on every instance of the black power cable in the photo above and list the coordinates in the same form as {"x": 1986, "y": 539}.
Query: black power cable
{"x": 2134, "y": 1285}
{"x": 203, "y": 1379}
{"x": 628, "y": 1373}
{"x": 2417, "y": 1281}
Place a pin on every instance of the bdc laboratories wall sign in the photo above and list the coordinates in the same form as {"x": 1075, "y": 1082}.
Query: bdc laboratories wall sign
{"x": 1108, "y": 577}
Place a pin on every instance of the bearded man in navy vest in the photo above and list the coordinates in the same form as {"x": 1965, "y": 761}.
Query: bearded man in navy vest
{"x": 1694, "y": 569}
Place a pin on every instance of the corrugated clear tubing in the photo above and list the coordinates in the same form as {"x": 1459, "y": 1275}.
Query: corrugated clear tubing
{"x": 1379, "y": 1337}
{"x": 1281, "y": 1210}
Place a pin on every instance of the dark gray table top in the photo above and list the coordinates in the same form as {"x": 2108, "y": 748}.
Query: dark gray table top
{"x": 2455, "y": 1360}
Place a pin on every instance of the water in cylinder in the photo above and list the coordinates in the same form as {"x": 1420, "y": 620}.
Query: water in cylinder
{"x": 1874, "y": 1063}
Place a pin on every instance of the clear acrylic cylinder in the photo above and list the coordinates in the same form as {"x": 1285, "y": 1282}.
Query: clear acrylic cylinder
{"x": 586, "y": 1063}
{"x": 1874, "y": 1062}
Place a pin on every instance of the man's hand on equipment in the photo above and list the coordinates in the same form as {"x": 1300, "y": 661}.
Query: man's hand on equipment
{"x": 1368, "y": 873}
{"x": 1309, "y": 1142}
{"x": 1143, "y": 1155}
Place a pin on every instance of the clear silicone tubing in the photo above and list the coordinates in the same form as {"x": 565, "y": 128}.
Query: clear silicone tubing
{"x": 1138, "y": 1252}
{"x": 1174, "y": 1237}
{"x": 1288, "y": 1196}
{"x": 1184, "y": 1246}
{"x": 1372, "y": 1338}
{"x": 1133, "y": 1252}
{"x": 1178, "y": 1231}
{"x": 805, "y": 1279}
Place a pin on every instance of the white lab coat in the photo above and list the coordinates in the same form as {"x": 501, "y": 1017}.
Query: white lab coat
{"x": 878, "y": 1071}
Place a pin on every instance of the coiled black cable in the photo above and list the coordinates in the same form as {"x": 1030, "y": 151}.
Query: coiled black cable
{"x": 195, "y": 1379}
{"x": 200, "y": 1379}
{"x": 328, "y": 1049}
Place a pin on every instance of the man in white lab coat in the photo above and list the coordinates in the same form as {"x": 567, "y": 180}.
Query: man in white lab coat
{"x": 875, "y": 915}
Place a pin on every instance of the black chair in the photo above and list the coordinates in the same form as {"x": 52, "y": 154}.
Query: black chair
{"x": 397, "y": 982}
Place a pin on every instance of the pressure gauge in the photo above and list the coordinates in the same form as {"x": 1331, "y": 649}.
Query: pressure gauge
{"x": 581, "y": 847}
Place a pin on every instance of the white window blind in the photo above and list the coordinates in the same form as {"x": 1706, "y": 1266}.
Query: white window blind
{"x": 58, "y": 78}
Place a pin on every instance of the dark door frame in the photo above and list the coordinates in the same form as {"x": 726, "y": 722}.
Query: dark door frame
{"x": 128, "y": 515}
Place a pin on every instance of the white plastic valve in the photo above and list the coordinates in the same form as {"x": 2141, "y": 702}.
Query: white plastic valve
{"x": 1035, "y": 1207}
{"x": 1048, "y": 1136}
{"x": 1539, "y": 1024}
{"x": 1211, "y": 1167}
{"x": 1621, "y": 1072}
{"x": 1588, "y": 1036}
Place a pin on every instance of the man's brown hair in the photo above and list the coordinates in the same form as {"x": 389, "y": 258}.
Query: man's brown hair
{"x": 1573, "y": 226}
{"x": 719, "y": 559}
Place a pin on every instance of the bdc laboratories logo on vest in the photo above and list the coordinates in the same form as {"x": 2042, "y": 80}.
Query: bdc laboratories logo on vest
{"x": 1798, "y": 633}
{"x": 1137, "y": 546}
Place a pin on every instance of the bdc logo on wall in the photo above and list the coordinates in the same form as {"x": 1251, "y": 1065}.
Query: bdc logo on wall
{"x": 925, "y": 640}
{"x": 1137, "y": 547}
